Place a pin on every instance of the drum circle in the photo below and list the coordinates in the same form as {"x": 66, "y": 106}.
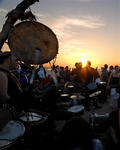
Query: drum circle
{"x": 11, "y": 135}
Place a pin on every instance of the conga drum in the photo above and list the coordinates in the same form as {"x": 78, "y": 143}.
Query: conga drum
{"x": 102, "y": 87}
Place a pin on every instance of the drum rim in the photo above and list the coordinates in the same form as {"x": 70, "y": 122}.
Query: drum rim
{"x": 76, "y": 106}
{"x": 65, "y": 95}
{"x": 8, "y": 145}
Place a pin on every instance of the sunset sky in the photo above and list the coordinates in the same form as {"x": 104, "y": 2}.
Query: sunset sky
{"x": 86, "y": 29}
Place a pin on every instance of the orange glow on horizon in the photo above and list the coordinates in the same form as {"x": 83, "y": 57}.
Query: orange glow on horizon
{"x": 84, "y": 60}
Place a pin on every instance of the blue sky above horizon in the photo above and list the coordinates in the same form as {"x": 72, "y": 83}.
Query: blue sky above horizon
{"x": 85, "y": 28}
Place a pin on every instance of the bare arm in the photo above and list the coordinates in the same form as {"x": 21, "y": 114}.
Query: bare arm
{"x": 3, "y": 84}
{"x": 108, "y": 83}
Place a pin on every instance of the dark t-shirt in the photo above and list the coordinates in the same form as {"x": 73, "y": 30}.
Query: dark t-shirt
{"x": 88, "y": 74}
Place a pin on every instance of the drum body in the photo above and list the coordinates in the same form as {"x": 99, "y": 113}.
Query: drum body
{"x": 102, "y": 87}
{"x": 11, "y": 135}
{"x": 34, "y": 122}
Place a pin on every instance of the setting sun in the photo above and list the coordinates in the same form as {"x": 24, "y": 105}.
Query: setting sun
{"x": 84, "y": 60}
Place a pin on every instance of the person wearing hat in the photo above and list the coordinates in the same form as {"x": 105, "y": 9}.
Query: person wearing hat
{"x": 10, "y": 90}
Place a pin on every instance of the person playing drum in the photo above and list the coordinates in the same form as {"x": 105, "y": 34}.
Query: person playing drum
{"x": 9, "y": 85}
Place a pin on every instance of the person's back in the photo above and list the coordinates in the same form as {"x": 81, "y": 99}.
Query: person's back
{"x": 77, "y": 72}
{"x": 88, "y": 73}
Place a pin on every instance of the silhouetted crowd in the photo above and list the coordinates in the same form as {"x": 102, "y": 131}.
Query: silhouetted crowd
{"x": 52, "y": 91}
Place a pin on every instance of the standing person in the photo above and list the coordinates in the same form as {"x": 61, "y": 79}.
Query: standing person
{"x": 88, "y": 78}
{"x": 67, "y": 74}
{"x": 44, "y": 80}
{"x": 104, "y": 73}
{"x": 58, "y": 70}
{"x": 114, "y": 79}
{"x": 113, "y": 85}
{"x": 24, "y": 76}
{"x": 77, "y": 72}
{"x": 88, "y": 73}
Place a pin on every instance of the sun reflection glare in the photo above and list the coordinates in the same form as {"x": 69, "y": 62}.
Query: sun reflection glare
{"x": 83, "y": 60}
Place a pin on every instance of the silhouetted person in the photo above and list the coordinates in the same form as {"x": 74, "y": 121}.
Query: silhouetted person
{"x": 104, "y": 74}
{"x": 88, "y": 73}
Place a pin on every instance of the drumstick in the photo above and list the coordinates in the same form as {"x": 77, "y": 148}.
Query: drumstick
{"x": 36, "y": 58}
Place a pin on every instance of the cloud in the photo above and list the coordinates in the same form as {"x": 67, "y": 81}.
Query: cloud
{"x": 68, "y": 30}
{"x": 3, "y": 11}
{"x": 86, "y": 22}
{"x": 39, "y": 15}
{"x": 66, "y": 24}
{"x": 85, "y": 0}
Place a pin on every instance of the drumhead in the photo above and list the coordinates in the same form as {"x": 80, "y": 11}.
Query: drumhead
{"x": 80, "y": 97}
{"x": 11, "y": 132}
{"x": 76, "y": 108}
{"x": 102, "y": 83}
{"x": 26, "y": 36}
{"x": 70, "y": 86}
{"x": 73, "y": 97}
{"x": 64, "y": 95}
{"x": 95, "y": 94}
{"x": 32, "y": 116}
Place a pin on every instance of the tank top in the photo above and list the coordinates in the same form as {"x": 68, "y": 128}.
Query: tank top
{"x": 115, "y": 82}
{"x": 14, "y": 90}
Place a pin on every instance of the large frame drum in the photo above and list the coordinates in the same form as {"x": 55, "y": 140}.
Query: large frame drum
{"x": 29, "y": 35}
